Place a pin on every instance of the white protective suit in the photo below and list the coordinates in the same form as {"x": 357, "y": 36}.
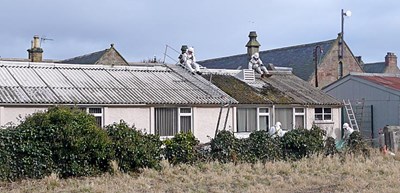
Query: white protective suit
{"x": 347, "y": 130}
{"x": 277, "y": 130}
{"x": 190, "y": 61}
{"x": 256, "y": 64}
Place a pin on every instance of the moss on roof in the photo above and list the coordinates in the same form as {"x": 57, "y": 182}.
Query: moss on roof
{"x": 275, "y": 94}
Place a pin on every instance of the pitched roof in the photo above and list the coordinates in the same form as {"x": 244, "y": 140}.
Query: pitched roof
{"x": 389, "y": 81}
{"x": 377, "y": 67}
{"x": 280, "y": 88}
{"x": 299, "y": 58}
{"x": 100, "y": 57}
{"x": 44, "y": 83}
{"x": 91, "y": 58}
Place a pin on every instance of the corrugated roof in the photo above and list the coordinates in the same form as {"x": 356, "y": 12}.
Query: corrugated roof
{"x": 392, "y": 82}
{"x": 299, "y": 58}
{"x": 377, "y": 67}
{"x": 24, "y": 82}
{"x": 280, "y": 88}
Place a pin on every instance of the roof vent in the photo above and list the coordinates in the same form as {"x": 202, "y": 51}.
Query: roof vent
{"x": 246, "y": 75}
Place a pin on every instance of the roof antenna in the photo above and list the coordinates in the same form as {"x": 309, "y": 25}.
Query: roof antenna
{"x": 43, "y": 39}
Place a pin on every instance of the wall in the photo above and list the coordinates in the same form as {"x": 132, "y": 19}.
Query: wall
{"x": 328, "y": 70}
{"x": 111, "y": 57}
{"x": 385, "y": 102}
{"x": 332, "y": 128}
{"x": 206, "y": 119}
{"x": 138, "y": 116}
{"x": 16, "y": 114}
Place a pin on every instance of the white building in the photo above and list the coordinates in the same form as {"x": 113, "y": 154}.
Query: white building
{"x": 161, "y": 100}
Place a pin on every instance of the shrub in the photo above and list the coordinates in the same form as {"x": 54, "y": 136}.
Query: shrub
{"x": 133, "y": 149}
{"x": 181, "y": 148}
{"x": 260, "y": 146}
{"x": 330, "y": 146}
{"x": 62, "y": 140}
{"x": 299, "y": 143}
{"x": 357, "y": 145}
{"x": 224, "y": 147}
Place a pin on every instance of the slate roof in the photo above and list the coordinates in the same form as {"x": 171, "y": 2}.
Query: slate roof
{"x": 51, "y": 83}
{"x": 280, "y": 88}
{"x": 299, "y": 58}
{"x": 377, "y": 67}
{"x": 91, "y": 58}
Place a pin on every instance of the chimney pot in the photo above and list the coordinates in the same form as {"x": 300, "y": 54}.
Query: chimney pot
{"x": 252, "y": 45}
{"x": 36, "y": 52}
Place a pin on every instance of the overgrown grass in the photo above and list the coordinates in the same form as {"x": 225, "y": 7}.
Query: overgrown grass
{"x": 316, "y": 174}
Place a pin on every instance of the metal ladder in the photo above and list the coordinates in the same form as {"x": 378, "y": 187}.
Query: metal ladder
{"x": 350, "y": 115}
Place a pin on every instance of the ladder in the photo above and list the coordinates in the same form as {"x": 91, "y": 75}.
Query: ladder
{"x": 350, "y": 115}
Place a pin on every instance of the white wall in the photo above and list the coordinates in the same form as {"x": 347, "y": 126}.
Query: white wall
{"x": 205, "y": 121}
{"x": 16, "y": 114}
{"x": 332, "y": 128}
{"x": 138, "y": 116}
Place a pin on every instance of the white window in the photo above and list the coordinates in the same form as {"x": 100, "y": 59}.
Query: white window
{"x": 98, "y": 115}
{"x": 252, "y": 119}
{"x": 170, "y": 121}
{"x": 323, "y": 114}
{"x": 285, "y": 116}
{"x": 263, "y": 119}
{"x": 97, "y": 112}
{"x": 299, "y": 118}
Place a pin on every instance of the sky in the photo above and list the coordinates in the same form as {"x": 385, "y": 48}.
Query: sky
{"x": 142, "y": 29}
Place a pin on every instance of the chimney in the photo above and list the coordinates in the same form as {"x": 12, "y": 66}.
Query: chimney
{"x": 183, "y": 49}
{"x": 391, "y": 59}
{"x": 359, "y": 59}
{"x": 253, "y": 45}
{"x": 36, "y": 52}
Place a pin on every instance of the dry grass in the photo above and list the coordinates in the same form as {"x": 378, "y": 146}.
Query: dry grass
{"x": 318, "y": 174}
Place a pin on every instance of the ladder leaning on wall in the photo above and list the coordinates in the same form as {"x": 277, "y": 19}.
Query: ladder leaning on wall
{"x": 350, "y": 115}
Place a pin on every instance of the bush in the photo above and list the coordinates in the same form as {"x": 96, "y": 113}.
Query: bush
{"x": 260, "y": 146}
{"x": 224, "y": 147}
{"x": 357, "y": 145}
{"x": 62, "y": 140}
{"x": 330, "y": 146}
{"x": 299, "y": 143}
{"x": 133, "y": 149}
{"x": 181, "y": 148}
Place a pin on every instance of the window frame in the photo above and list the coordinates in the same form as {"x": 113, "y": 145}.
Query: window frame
{"x": 101, "y": 114}
{"x": 299, "y": 114}
{"x": 258, "y": 115}
{"x": 323, "y": 114}
{"x": 179, "y": 115}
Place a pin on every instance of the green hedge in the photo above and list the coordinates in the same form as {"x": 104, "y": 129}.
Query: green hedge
{"x": 133, "y": 149}
{"x": 181, "y": 149}
{"x": 61, "y": 140}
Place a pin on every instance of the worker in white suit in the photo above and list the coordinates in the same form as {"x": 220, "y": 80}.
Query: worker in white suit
{"x": 256, "y": 64}
{"x": 347, "y": 130}
{"x": 190, "y": 61}
{"x": 277, "y": 130}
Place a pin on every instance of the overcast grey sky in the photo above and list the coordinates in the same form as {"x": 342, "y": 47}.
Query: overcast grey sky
{"x": 141, "y": 29}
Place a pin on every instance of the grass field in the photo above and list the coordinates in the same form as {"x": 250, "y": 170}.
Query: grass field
{"x": 318, "y": 174}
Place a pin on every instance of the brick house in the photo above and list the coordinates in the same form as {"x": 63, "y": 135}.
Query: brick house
{"x": 300, "y": 58}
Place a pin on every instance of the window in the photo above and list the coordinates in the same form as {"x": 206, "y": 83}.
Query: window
{"x": 97, "y": 112}
{"x": 340, "y": 70}
{"x": 263, "y": 119}
{"x": 252, "y": 119}
{"x": 285, "y": 116}
{"x": 299, "y": 118}
{"x": 170, "y": 121}
{"x": 323, "y": 114}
